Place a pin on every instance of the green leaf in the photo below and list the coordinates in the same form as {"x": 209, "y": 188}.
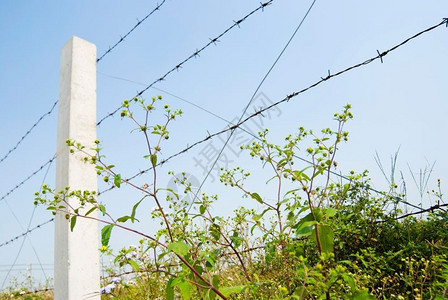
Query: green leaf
{"x": 229, "y": 290}
{"x": 305, "y": 228}
{"x": 123, "y": 219}
{"x": 318, "y": 213}
{"x": 91, "y": 210}
{"x": 153, "y": 159}
{"x": 326, "y": 237}
{"x": 300, "y": 175}
{"x": 72, "y": 223}
{"x": 180, "y": 248}
{"x": 134, "y": 209}
{"x": 185, "y": 289}
{"x": 102, "y": 209}
{"x": 236, "y": 240}
{"x": 202, "y": 209}
{"x": 320, "y": 170}
{"x": 169, "y": 291}
{"x": 330, "y": 212}
{"x": 256, "y": 197}
{"x": 215, "y": 231}
{"x": 281, "y": 163}
{"x": 362, "y": 295}
{"x": 117, "y": 180}
{"x": 134, "y": 265}
{"x": 105, "y": 234}
{"x": 350, "y": 281}
{"x": 345, "y": 190}
{"x": 304, "y": 222}
{"x": 215, "y": 283}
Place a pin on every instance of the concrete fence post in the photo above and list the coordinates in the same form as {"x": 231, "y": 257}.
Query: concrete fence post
{"x": 76, "y": 260}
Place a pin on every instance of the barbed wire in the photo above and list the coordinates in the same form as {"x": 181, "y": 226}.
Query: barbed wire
{"x": 431, "y": 209}
{"x": 130, "y": 31}
{"x": 286, "y": 99}
{"x": 213, "y": 41}
{"x": 25, "y": 233}
{"x": 99, "y": 59}
{"x": 250, "y": 102}
{"x": 29, "y": 131}
{"x": 27, "y": 178}
{"x": 195, "y": 54}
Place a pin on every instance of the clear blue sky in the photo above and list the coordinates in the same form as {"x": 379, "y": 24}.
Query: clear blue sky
{"x": 398, "y": 104}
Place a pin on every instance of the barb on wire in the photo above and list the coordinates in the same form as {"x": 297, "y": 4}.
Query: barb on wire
{"x": 25, "y": 233}
{"x": 28, "y": 132}
{"x": 196, "y": 53}
{"x": 130, "y": 31}
{"x": 286, "y": 99}
{"x": 429, "y": 209}
{"x": 100, "y": 58}
{"x": 28, "y": 178}
{"x": 250, "y": 102}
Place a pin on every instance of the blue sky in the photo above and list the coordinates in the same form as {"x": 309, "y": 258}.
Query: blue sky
{"x": 398, "y": 104}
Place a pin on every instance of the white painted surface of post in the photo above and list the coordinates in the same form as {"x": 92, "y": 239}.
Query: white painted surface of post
{"x": 76, "y": 260}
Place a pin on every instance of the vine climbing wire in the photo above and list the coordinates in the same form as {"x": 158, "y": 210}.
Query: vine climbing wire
{"x": 28, "y": 178}
{"x": 195, "y": 54}
{"x": 130, "y": 31}
{"x": 285, "y": 99}
{"x": 25, "y": 233}
{"x": 28, "y": 132}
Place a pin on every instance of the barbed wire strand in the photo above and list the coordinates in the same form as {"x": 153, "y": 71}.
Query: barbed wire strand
{"x": 28, "y": 132}
{"x": 431, "y": 209}
{"x": 27, "y": 178}
{"x": 25, "y": 235}
{"x": 286, "y": 99}
{"x": 130, "y": 31}
{"x": 258, "y": 138}
{"x": 249, "y": 133}
{"x": 194, "y": 55}
{"x": 99, "y": 59}
{"x": 250, "y": 102}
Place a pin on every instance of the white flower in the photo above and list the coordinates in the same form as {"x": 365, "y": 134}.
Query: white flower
{"x": 108, "y": 288}
{"x": 115, "y": 279}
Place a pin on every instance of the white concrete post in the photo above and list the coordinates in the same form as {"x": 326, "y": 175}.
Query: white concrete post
{"x": 76, "y": 257}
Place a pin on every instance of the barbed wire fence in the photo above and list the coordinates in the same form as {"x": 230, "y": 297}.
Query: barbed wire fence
{"x": 231, "y": 128}
{"x": 288, "y": 98}
{"x": 49, "y": 162}
{"x": 40, "y": 119}
{"x": 130, "y": 31}
{"x": 29, "y": 230}
{"x": 195, "y": 54}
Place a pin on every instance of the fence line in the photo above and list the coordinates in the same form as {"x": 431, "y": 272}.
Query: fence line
{"x": 130, "y": 31}
{"x": 250, "y": 101}
{"x": 28, "y": 132}
{"x": 25, "y": 233}
{"x": 195, "y": 54}
{"x": 28, "y": 178}
{"x": 56, "y": 102}
{"x": 286, "y": 99}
